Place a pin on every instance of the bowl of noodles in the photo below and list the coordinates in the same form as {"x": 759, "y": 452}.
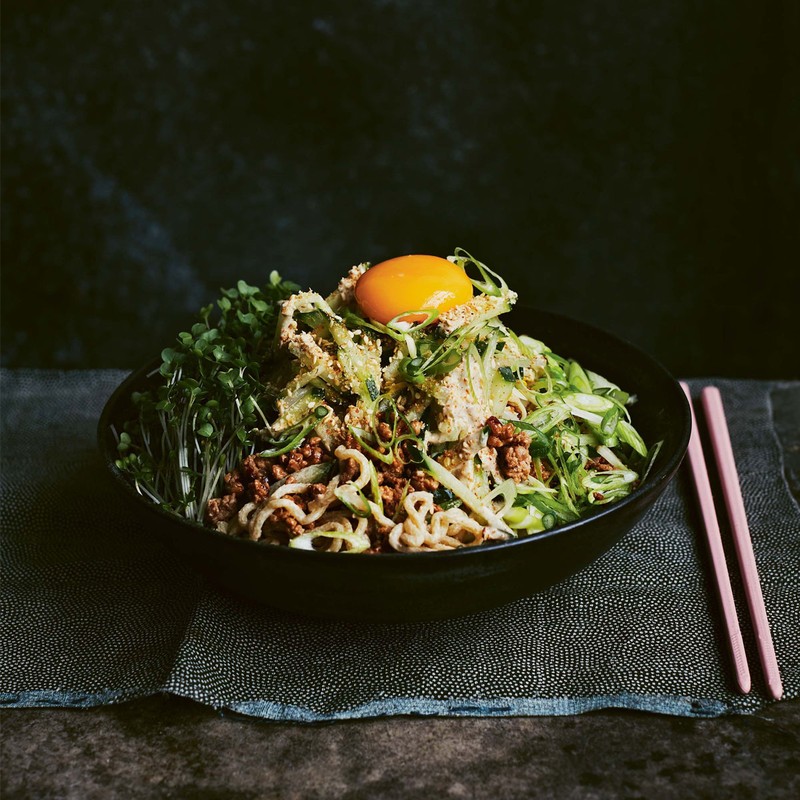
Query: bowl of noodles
{"x": 415, "y": 445}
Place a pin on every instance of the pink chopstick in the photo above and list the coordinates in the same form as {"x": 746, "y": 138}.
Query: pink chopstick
{"x": 731, "y": 490}
{"x": 723, "y": 581}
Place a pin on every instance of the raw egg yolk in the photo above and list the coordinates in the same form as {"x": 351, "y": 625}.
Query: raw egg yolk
{"x": 411, "y": 283}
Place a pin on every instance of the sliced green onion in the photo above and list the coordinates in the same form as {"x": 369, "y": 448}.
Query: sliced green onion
{"x": 387, "y": 457}
{"x": 517, "y": 517}
{"x": 313, "y": 473}
{"x": 609, "y": 455}
{"x": 540, "y": 442}
{"x": 602, "y": 481}
{"x": 348, "y": 496}
{"x": 628, "y": 434}
{"x": 608, "y": 424}
{"x": 491, "y": 283}
{"x": 526, "y": 518}
{"x": 292, "y": 440}
{"x": 463, "y": 492}
{"x": 651, "y": 457}
{"x": 617, "y": 395}
{"x": 472, "y": 358}
{"x": 411, "y": 370}
{"x": 312, "y": 319}
{"x": 533, "y": 346}
{"x": 546, "y": 418}
{"x": 398, "y": 324}
{"x": 354, "y": 322}
{"x": 448, "y": 362}
{"x": 499, "y": 392}
{"x": 600, "y": 382}
{"x": 548, "y": 504}
{"x": 593, "y": 403}
{"x": 578, "y": 378}
{"x": 507, "y": 490}
{"x": 555, "y": 369}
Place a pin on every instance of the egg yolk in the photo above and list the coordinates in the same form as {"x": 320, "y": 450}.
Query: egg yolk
{"x": 411, "y": 283}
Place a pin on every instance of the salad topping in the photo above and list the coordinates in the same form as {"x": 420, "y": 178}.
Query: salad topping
{"x": 323, "y": 423}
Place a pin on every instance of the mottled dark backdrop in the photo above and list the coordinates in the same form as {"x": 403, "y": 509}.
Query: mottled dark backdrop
{"x": 631, "y": 164}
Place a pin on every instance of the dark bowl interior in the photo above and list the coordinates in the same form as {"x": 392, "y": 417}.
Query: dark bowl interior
{"x": 421, "y": 586}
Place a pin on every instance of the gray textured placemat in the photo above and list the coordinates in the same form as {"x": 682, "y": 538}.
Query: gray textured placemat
{"x": 96, "y": 611}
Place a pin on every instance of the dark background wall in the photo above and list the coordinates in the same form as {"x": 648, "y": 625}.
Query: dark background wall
{"x": 631, "y": 164}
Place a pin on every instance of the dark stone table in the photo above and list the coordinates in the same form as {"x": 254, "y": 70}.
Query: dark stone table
{"x": 169, "y": 747}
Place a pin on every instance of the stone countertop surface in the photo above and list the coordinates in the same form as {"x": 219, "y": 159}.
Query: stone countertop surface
{"x": 167, "y": 747}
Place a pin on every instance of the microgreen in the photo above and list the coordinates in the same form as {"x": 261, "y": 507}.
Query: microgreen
{"x": 208, "y": 396}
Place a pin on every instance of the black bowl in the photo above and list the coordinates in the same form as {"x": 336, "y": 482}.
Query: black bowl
{"x": 421, "y": 586}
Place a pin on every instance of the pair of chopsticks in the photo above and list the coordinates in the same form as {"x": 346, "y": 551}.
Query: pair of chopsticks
{"x": 723, "y": 455}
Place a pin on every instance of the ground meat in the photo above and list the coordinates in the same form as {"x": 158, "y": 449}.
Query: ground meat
{"x": 250, "y": 481}
{"x": 300, "y": 501}
{"x": 253, "y": 467}
{"x": 281, "y": 523}
{"x": 281, "y": 519}
{"x": 390, "y": 478}
{"x": 277, "y": 472}
{"x": 312, "y": 451}
{"x": 351, "y": 443}
{"x": 221, "y": 509}
{"x": 599, "y": 463}
{"x": 385, "y": 428}
{"x": 514, "y": 461}
{"x": 348, "y": 469}
{"x": 422, "y": 482}
{"x": 294, "y": 462}
{"x": 233, "y": 482}
{"x": 513, "y": 457}
{"x": 501, "y": 435}
{"x": 259, "y": 491}
{"x": 247, "y": 483}
{"x": 390, "y": 496}
{"x": 397, "y": 468}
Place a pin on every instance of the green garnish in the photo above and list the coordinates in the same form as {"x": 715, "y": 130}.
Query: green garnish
{"x": 214, "y": 391}
{"x": 406, "y": 393}
{"x": 293, "y": 437}
{"x": 445, "y": 499}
